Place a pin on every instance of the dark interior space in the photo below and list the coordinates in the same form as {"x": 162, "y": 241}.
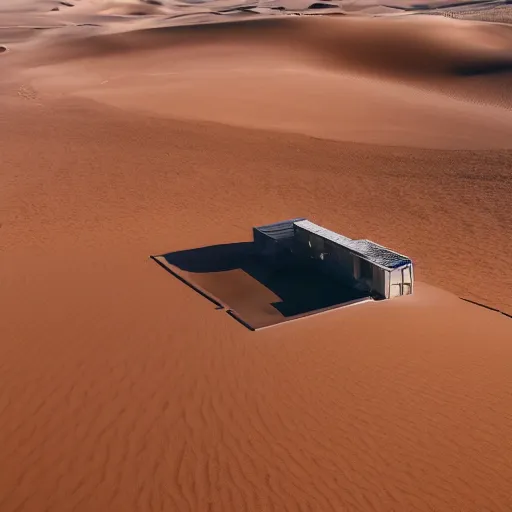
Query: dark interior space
{"x": 292, "y": 287}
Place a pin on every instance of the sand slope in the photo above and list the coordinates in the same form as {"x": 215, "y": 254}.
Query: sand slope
{"x": 123, "y": 389}
{"x": 428, "y": 82}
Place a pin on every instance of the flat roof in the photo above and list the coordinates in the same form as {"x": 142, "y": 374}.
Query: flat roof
{"x": 366, "y": 249}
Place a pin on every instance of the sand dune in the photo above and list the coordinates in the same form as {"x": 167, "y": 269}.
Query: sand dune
{"x": 321, "y": 77}
{"x": 424, "y": 46}
{"x": 126, "y": 135}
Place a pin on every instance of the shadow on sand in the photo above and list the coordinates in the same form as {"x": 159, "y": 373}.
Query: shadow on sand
{"x": 259, "y": 291}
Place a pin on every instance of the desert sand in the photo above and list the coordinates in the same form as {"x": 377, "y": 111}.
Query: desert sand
{"x": 131, "y": 129}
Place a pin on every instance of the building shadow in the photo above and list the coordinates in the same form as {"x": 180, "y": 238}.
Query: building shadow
{"x": 261, "y": 291}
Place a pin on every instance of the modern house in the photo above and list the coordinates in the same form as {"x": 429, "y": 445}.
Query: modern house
{"x": 360, "y": 264}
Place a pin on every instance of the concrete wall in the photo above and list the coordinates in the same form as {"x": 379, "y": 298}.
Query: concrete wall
{"x": 335, "y": 260}
{"x": 331, "y": 259}
{"x": 339, "y": 262}
{"x": 352, "y": 270}
{"x": 380, "y": 280}
{"x": 264, "y": 245}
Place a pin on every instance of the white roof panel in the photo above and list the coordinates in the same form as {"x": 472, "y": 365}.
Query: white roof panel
{"x": 368, "y": 250}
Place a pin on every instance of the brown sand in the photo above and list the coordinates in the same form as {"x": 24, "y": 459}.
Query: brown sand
{"x": 123, "y": 389}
